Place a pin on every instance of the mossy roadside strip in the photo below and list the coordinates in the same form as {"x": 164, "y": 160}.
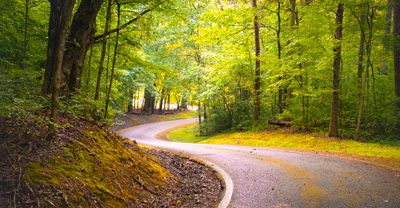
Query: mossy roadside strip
{"x": 384, "y": 155}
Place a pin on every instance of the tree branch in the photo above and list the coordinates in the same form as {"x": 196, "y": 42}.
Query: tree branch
{"x": 124, "y": 25}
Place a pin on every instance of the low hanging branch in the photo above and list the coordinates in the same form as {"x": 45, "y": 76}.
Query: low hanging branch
{"x": 97, "y": 37}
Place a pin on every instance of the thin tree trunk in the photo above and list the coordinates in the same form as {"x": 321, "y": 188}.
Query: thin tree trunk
{"x": 60, "y": 15}
{"x": 169, "y": 99}
{"x": 360, "y": 56}
{"x": 113, "y": 64}
{"x": 333, "y": 124}
{"x": 26, "y": 28}
{"x": 161, "y": 101}
{"x": 130, "y": 100}
{"x": 396, "y": 33}
{"x": 165, "y": 101}
{"x": 257, "y": 84}
{"x": 88, "y": 79}
{"x": 103, "y": 52}
{"x": 360, "y": 108}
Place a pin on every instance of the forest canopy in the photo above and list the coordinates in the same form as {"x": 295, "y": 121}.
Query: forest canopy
{"x": 330, "y": 66}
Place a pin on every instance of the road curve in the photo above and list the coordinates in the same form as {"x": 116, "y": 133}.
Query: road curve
{"x": 265, "y": 177}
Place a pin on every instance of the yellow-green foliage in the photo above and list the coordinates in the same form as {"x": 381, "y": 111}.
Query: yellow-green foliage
{"x": 281, "y": 138}
{"x": 188, "y": 114}
{"x": 102, "y": 166}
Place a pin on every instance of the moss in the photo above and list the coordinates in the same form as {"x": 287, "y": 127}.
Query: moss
{"x": 102, "y": 165}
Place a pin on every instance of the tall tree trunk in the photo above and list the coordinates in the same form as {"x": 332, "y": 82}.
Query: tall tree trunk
{"x": 360, "y": 56}
{"x": 60, "y": 16}
{"x": 161, "y": 101}
{"x": 396, "y": 33}
{"x": 257, "y": 84}
{"x": 199, "y": 108}
{"x": 130, "y": 100}
{"x": 165, "y": 100}
{"x": 386, "y": 45}
{"x": 26, "y": 28}
{"x": 103, "y": 52}
{"x": 79, "y": 40}
{"x": 88, "y": 79}
{"x": 281, "y": 91}
{"x": 113, "y": 64}
{"x": 169, "y": 99}
{"x": 333, "y": 124}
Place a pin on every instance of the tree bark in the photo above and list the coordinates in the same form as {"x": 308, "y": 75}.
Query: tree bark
{"x": 396, "y": 33}
{"x": 103, "y": 52}
{"x": 360, "y": 55}
{"x": 26, "y": 28}
{"x": 148, "y": 101}
{"x": 388, "y": 18}
{"x": 60, "y": 15}
{"x": 79, "y": 41}
{"x": 161, "y": 101}
{"x": 113, "y": 64}
{"x": 257, "y": 84}
{"x": 333, "y": 125}
{"x": 130, "y": 100}
{"x": 169, "y": 99}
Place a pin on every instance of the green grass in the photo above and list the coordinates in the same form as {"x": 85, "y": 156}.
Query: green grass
{"x": 187, "y": 135}
{"x": 284, "y": 139}
{"x": 188, "y": 114}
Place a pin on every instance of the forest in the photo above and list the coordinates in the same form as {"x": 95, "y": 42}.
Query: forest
{"x": 330, "y": 66}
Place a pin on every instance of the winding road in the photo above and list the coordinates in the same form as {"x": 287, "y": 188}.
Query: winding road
{"x": 265, "y": 177}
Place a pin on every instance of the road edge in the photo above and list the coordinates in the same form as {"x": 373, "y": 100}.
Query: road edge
{"x": 226, "y": 181}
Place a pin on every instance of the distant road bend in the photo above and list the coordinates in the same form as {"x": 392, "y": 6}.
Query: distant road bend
{"x": 265, "y": 177}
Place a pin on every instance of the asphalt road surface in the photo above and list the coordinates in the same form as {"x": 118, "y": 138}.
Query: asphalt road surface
{"x": 265, "y": 177}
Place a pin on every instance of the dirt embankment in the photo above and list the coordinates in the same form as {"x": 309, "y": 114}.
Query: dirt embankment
{"x": 87, "y": 166}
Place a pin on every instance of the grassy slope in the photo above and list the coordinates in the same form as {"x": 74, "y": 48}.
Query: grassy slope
{"x": 287, "y": 139}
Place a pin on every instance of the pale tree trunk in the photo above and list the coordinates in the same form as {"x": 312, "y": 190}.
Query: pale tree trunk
{"x": 333, "y": 124}
{"x": 165, "y": 100}
{"x": 103, "y": 52}
{"x": 257, "y": 84}
{"x": 113, "y": 64}
{"x": 169, "y": 100}
{"x": 60, "y": 15}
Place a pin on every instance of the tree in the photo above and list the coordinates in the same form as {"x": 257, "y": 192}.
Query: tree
{"x": 60, "y": 15}
{"x": 257, "y": 84}
{"x": 113, "y": 64}
{"x": 333, "y": 125}
{"x": 103, "y": 52}
{"x": 396, "y": 33}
